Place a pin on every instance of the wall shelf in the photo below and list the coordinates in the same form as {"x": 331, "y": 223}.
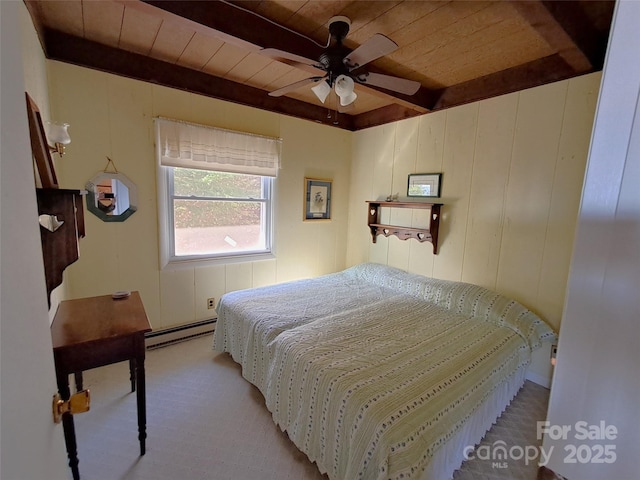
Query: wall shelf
{"x": 60, "y": 248}
{"x": 429, "y": 234}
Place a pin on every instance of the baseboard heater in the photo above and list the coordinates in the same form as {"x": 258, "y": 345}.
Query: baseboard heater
{"x": 169, "y": 336}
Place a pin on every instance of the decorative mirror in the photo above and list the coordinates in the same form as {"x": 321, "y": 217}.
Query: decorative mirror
{"x": 111, "y": 197}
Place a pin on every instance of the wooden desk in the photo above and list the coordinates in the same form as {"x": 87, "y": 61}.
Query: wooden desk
{"x": 93, "y": 332}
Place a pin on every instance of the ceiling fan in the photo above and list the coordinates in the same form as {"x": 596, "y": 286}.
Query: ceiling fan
{"x": 343, "y": 68}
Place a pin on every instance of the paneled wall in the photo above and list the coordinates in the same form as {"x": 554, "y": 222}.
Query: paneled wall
{"x": 113, "y": 116}
{"x": 512, "y": 170}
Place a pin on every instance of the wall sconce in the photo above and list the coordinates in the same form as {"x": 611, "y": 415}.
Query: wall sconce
{"x": 59, "y": 135}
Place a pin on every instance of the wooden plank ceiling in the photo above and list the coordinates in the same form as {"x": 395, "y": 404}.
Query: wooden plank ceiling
{"x": 459, "y": 51}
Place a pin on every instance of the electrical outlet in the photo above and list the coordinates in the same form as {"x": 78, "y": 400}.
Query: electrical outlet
{"x": 211, "y": 303}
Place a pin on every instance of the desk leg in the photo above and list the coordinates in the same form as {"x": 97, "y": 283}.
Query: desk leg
{"x": 132, "y": 374}
{"x": 78, "y": 378}
{"x": 142, "y": 403}
{"x": 68, "y": 427}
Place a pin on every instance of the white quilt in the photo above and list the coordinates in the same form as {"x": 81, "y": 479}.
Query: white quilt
{"x": 372, "y": 370}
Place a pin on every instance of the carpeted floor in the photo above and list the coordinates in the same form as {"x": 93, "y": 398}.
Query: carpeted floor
{"x": 204, "y": 421}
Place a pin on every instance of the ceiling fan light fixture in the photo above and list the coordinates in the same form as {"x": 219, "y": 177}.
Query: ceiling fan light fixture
{"x": 322, "y": 90}
{"x": 343, "y": 67}
{"x": 344, "y": 89}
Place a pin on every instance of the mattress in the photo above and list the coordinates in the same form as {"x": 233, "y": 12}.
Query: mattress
{"x": 376, "y": 373}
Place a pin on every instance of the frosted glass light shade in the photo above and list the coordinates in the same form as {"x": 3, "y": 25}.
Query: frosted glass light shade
{"x": 58, "y": 133}
{"x": 344, "y": 89}
{"x": 322, "y": 90}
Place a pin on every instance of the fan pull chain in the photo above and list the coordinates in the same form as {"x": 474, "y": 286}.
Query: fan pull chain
{"x": 335, "y": 111}
{"x": 335, "y": 115}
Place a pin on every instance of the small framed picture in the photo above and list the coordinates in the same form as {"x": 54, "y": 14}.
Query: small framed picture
{"x": 424, "y": 185}
{"x": 317, "y": 199}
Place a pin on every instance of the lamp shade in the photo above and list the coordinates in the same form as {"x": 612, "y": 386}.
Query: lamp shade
{"x": 58, "y": 133}
{"x": 322, "y": 90}
{"x": 344, "y": 89}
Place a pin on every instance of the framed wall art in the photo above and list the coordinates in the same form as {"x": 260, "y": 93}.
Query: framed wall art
{"x": 317, "y": 199}
{"x": 424, "y": 185}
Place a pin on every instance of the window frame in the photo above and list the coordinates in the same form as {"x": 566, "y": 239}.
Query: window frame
{"x": 166, "y": 197}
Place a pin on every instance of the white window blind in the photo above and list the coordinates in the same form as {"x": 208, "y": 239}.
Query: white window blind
{"x": 189, "y": 145}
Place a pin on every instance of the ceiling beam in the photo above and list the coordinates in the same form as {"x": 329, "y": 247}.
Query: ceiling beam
{"x": 236, "y": 25}
{"x": 590, "y": 38}
{"x": 545, "y": 24}
{"x": 383, "y": 115}
{"x": 70, "y": 49}
{"x": 538, "y": 72}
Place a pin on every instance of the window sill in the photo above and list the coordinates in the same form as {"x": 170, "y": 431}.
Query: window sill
{"x": 194, "y": 262}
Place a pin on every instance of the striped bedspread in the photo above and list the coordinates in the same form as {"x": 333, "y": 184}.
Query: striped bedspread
{"x": 371, "y": 370}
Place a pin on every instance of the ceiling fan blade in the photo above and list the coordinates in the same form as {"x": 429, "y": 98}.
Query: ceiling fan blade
{"x": 294, "y": 86}
{"x": 376, "y": 47}
{"x": 396, "y": 84}
{"x": 290, "y": 58}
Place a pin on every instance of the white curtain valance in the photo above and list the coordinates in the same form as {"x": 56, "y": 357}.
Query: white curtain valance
{"x": 189, "y": 145}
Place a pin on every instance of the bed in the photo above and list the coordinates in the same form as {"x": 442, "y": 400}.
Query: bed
{"x": 376, "y": 373}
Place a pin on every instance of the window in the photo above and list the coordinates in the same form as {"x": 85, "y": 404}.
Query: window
{"x": 215, "y": 193}
{"x": 219, "y": 213}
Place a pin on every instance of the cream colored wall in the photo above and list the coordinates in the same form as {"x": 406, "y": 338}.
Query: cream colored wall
{"x": 34, "y": 66}
{"x": 36, "y": 85}
{"x": 113, "y": 116}
{"x": 512, "y": 168}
